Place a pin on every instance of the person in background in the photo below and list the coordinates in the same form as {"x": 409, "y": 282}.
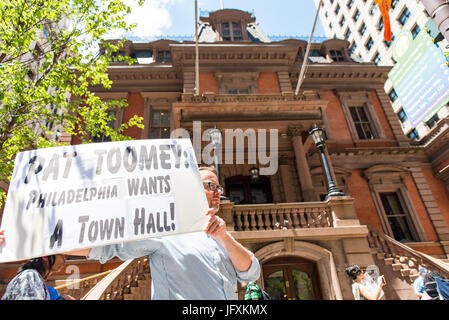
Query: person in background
{"x": 418, "y": 284}
{"x": 361, "y": 291}
{"x": 30, "y": 281}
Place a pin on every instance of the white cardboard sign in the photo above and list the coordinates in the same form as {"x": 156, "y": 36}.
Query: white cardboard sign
{"x": 74, "y": 197}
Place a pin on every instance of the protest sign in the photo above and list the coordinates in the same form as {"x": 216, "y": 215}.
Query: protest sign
{"x": 73, "y": 197}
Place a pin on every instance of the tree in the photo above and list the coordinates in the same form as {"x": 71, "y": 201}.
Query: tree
{"x": 49, "y": 58}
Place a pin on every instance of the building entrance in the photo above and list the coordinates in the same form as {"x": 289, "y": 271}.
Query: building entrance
{"x": 291, "y": 278}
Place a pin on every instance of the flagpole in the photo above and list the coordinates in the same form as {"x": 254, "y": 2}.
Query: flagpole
{"x": 197, "y": 61}
{"x": 306, "y": 56}
{"x": 221, "y": 2}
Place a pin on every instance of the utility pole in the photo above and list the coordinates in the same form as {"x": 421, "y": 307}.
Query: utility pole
{"x": 197, "y": 59}
{"x": 306, "y": 56}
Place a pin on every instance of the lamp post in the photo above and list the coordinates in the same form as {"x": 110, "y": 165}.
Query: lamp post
{"x": 254, "y": 172}
{"x": 318, "y": 136}
{"x": 215, "y": 138}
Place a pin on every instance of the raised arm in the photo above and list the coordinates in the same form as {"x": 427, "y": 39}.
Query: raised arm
{"x": 240, "y": 257}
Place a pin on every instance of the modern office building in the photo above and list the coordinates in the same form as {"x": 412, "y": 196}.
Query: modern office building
{"x": 361, "y": 23}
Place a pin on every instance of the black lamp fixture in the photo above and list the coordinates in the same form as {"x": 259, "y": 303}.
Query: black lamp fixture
{"x": 319, "y": 137}
{"x": 216, "y": 139}
{"x": 254, "y": 172}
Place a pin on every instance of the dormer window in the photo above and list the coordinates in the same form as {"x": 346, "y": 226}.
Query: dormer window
{"x": 337, "y": 55}
{"x": 164, "y": 56}
{"x": 231, "y": 31}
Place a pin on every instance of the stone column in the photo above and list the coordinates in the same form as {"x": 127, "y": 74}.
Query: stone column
{"x": 302, "y": 166}
{"x": 287, "y": 183}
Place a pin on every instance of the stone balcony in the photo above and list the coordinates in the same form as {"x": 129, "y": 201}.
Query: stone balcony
{"x": 333, "y": 219}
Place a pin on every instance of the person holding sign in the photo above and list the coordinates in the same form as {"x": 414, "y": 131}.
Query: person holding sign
{"x": 192, "y": 266}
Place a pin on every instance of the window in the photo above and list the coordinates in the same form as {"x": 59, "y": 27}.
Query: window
{"x": 315, "y": 53}
{"x": 347, "y": 34}
{"x": 160, "y": 124}
{"x": 362, "y": 122}
{"x": 373, "y": 8}
{"x": 404, "y": 16}
{"x": 356, "y": 16}
{"x": 362, "y": 29}
{"x": 377, "y": 58}
{"x": 393, "y": 95}
{"x": 416, "y": 29}
{"x": 238, "y": 91}
{"x": 244, "y": 190}
{"x": 330, "y": 25}
{"x": 143, "y": 56}
{"x": 163, "y": 56}
{"x": 337, "y": 55}
{"x": 394, "y": 3}
{"x": 413, "y": 135}
{"x": 380, "y": 25}
{"x": 402, "y": 115}
{"x": 352, "y": 48}
{"x": 231, "y": 31}
{"x": 350, "y": 4}
{"x": 369, "y": 43}
{"x": 398, "y": 218}
{"x": 433, "y": 121}
{"x": 342, "y": 21}
{"x": 337, "y": 9}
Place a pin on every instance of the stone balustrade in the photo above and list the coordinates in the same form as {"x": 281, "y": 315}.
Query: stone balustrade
{"x": 281, "y": 216}
{"x": 223, "y": 98}
{"x": 403, "y": 258}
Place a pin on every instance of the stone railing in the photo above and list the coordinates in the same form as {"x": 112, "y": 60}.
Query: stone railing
{"x": 222, "y": 98}
{"x": 401, "y": 257}
{"x": 282, "y": 216}
{"x": 129, "y": 281}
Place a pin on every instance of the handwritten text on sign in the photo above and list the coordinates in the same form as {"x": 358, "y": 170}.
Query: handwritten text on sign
{"x": 67, "y": 198}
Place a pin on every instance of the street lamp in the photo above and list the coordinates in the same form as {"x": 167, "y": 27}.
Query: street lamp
{"x": 254, "y": 172}
{"x": 215, "y": 138}
{"x": 319, "y": 137}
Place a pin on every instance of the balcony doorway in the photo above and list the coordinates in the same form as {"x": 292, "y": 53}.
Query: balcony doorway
{"x": 244, "y": 190}
{"x": 291, "y": 278}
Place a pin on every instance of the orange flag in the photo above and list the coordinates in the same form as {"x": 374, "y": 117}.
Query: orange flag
{"x": 384, "y": 6}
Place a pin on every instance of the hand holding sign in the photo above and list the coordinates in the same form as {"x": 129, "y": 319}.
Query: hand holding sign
{"x": 68, "y": 198}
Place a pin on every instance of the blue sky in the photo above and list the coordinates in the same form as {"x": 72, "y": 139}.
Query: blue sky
{"x": 176, "y": 17}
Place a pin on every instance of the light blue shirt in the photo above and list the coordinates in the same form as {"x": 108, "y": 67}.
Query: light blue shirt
{"x": 418, "y": 285}
{"x": 190, "y": 266}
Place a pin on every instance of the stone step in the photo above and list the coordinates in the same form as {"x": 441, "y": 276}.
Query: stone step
{"x": 396, "y": 266}
{"x": 413, "y": 277}
{"x": 388, "y": 261}
{"x": 380, "y": 255}
{"x": 405, "y": 272}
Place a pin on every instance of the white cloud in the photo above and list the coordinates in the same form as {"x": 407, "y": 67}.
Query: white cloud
{"x": 151, "y": 19}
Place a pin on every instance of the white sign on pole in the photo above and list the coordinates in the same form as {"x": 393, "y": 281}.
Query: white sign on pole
{"x": 73, "y": 197}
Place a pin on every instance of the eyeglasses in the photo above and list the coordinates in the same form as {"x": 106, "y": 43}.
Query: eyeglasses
{"x": 213, "y": 187}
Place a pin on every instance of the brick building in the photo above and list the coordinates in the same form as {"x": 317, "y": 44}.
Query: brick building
{"x": 396, "y": 208}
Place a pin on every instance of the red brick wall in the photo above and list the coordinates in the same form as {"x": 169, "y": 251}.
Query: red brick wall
{"x": 381, "y": 115}
{"x": 420, "y": 209}
{"x": 363, "y": 201}
{"x": 208, "y": 83}
{"x": 135, "y": 107}
{"x": 439, "y": 192}
{"x": 336, "y": 117}
{"x": 268, "y": 83}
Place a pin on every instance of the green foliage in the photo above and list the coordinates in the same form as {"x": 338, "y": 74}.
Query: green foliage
{"x": 49, "y": 60}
